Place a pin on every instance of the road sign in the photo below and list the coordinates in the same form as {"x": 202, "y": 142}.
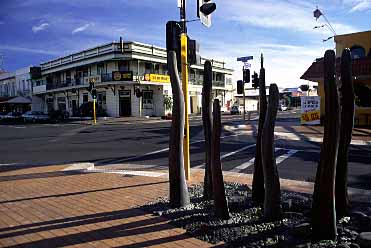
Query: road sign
{"x": 245, "y": 59}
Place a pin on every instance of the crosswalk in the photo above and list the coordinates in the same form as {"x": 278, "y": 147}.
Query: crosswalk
{"x": 287, "y": 153}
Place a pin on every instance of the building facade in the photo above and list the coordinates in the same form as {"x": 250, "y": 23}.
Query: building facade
{"x": 118, "y": 73}
{"x": 360, "y": 48}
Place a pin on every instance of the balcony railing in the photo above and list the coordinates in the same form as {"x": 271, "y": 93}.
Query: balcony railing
{"x": 104, "y": 78}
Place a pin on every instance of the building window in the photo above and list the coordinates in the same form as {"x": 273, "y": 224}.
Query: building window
{"x": 100, "y": 69}
{"x": 147, "y": 99}
{"x": 85, "y": 71}
{"x": 123, "y": 65}
{"x": 357, "y": 52}
{"x": 148, "y": 68}
{"x": 101, "y": 99}
{"x": 85, "y": 98}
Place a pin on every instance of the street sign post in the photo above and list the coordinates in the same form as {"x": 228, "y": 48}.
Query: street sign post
{"x": 245, "y": 59}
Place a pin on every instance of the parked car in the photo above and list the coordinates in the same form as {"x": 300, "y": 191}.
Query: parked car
{"x": 2, "y": 115}
{"x": 12, "y": 116}
{"x": 35, "y": 116}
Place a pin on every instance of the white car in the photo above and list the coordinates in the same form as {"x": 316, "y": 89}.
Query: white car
{"x": 35, "y": 116}
{"x": 283, "y": 107}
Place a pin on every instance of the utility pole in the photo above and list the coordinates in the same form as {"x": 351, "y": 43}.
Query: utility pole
{"x": 184, "y": 62}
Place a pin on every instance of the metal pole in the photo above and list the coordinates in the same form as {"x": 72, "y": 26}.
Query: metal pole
{"x": 244, "y": 104}
{"x": 94, "y": 112}
{"x": 183, "y": 41}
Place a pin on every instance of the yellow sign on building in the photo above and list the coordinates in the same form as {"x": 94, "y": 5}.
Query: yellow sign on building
{"x": 157, "y": 78}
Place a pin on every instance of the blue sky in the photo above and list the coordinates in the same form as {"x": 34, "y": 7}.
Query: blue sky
{"x": 34, "y": 31}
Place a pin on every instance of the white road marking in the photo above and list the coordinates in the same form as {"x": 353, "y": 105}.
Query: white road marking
{"x": 285, "y": 156}
{"x": 227, "y": 155}
{"x": 248, "y": 163}
{"x": 166, "y": 149}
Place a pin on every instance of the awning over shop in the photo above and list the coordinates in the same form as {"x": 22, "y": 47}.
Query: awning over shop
{"x": 361, "y": 68}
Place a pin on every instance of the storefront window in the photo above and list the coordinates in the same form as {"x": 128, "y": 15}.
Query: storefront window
{"x": 101, "y": 99}
{"x": 147, "y": 99}
{"x": 85, "y": 98}
{"x": 362, "y": 95}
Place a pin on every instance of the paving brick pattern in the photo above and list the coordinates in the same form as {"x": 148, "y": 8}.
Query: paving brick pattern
{"x": 45, "y": 207}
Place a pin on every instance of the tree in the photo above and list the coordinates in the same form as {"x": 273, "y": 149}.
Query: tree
{"x": 207, "y": 124}
{"x": 178, "y": 187}
{"x": 168, "y": 102}
{"x": 346, "y": 128}
{"x": 324, "y": 215}
{"x": 272, "y": 199}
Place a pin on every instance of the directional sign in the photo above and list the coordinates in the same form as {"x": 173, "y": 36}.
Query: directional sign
{"x": 245, "y": 59}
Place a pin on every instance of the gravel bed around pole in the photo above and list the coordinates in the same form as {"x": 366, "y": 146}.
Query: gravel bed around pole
{"x": 247, "y": 227}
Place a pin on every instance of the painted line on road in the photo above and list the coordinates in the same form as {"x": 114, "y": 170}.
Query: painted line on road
{"x": 285, "y": 156}
{"x": 248, "y": 163}
{"x": 227, "y": 155}
{"x": 166, "y": 149}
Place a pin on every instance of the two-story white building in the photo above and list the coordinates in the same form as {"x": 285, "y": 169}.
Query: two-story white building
{"x": 117, "y": 73}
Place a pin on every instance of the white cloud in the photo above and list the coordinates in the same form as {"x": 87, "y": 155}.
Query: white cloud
{"x": 28, "y": 50}
{"x": 284, "y": 63}
{"x": 82, "y": 28}
{"x": 361, "y": 5}
{"x": 292, "y": 16}
{"x": 40, "y": 27}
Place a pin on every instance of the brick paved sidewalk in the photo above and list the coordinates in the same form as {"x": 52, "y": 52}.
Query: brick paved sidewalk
{"x": 45, "y": 207}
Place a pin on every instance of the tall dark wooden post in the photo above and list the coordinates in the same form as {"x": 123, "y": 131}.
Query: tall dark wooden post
{"x": 324, "y": 215}
{"x": 258, "y": 178}
{"x": 178, "y": 187}
{"x": 220, "y": 201}
{"x": 207, "y": 124}
{"x": 272, "y": 200}
{"x": 346, "y": 128}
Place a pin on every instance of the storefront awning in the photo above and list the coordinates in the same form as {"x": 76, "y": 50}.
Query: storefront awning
{"x": 361, "y": 68}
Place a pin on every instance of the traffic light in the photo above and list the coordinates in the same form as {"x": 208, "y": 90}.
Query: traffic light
{"x": 246, "y": 76}
{"x": 173, "y": 31}
{"x": 204, "y": 10}
{"x": 255, "y": 80}
{"x": 194, "y": 57}
{"x": 94, "y": 93}
{"x": 91, "y": 86}
{"x": 240, "y": 87}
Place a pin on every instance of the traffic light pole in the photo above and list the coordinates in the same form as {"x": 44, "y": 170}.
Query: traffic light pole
{"x": 183, "y": 41}
{"x": 244, "y": 104}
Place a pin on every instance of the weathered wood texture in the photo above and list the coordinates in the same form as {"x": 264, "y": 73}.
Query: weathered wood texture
{"x": 179, "y": 196}
{"x": 220, "y": 201}
{"x": 207, "y": 125}
{"x": 346, "y": 128}
{"x": 272, "y": 199}
{"x": 258, "y": 178}
{"x": 324, "y": 216}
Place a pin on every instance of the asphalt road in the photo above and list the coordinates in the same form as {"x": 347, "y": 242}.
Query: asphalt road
{"x": 145, "y": 144}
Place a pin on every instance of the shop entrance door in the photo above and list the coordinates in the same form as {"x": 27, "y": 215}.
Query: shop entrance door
{"x": 125, "y": 103}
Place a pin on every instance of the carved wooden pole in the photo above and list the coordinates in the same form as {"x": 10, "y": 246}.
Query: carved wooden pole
{"x": 324, "y": 216}
{"x": 178, "y": 187}
{"x": 346, "y": 128}
{"x": 207, "y": 123}
{"x": 220, "y": 201}
{"x": 258, "y": 178}
{"x": 272, "y": 200}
